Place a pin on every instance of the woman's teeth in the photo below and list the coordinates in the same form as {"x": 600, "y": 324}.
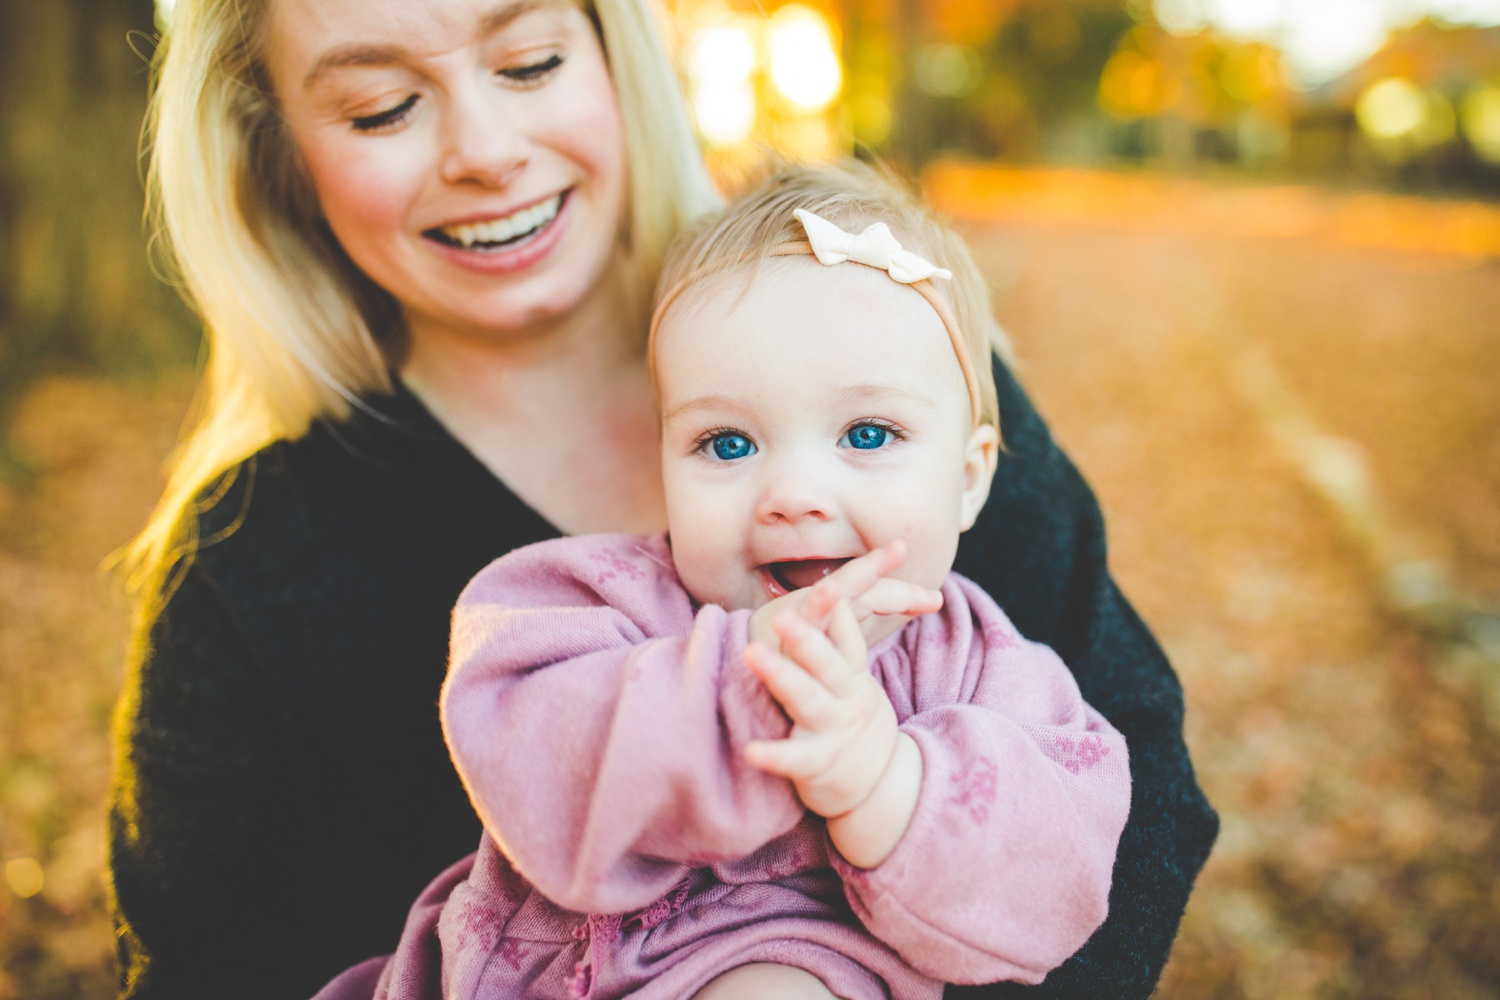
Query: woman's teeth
{"x": 504, "y": 230}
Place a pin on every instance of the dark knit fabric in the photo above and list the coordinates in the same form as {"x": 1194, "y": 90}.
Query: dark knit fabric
{"x": 282, "y": 791}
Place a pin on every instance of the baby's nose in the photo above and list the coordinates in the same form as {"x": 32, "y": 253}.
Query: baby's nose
{"x": 793, "y": 495}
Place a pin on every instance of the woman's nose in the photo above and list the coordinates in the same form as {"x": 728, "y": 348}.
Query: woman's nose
{"x": 484, "y": 142}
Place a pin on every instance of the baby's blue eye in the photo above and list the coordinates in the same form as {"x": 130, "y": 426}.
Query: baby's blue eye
{"x": 867, "y": 436}
{"x": 732, "y": 446}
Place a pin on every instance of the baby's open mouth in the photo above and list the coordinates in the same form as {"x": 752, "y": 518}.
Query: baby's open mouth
{"x": 798, "y": 573}
{"x": 498, "y": 233}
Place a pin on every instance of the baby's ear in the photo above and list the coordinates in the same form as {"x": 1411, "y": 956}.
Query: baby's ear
{"x": 980, "y": 455}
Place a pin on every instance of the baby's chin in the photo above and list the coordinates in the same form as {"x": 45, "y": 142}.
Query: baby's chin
{"x": 750, "y": 593}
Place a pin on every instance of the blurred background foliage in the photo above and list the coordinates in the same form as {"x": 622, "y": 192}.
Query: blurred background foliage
{"x": 1399, "y": 93}
{"x": 1247, "y": 250}
{"x": 76, "y": 289}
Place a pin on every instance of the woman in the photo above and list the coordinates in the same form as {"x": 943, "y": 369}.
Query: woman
{"x": 421, "y": 238}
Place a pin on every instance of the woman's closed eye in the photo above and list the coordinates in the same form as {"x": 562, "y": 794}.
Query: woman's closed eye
{"x": 384, "y": 119}
{"x": 532, "y": 74}
{"x": 725, "y": 445}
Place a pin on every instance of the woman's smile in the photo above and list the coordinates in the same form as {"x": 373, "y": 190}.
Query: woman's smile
{"x": 507, "y": 244}
{"x": 489, "y": 233}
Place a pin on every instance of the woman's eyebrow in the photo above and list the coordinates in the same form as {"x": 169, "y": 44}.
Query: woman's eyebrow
{"x": 384, "y": 55}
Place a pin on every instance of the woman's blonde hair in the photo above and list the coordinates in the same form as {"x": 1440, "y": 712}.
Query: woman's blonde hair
{"x": 294, "y": 332}
{"x": 852, "y": 195}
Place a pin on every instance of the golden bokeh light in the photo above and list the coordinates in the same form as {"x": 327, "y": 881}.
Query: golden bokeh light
{"x": 721, "y": 61}
{"x": 1480, "y": 113}
{"x": 25, "y": 877}
{"x": 804, "y": 60}
{"x": 722, "y": 54}
{"x": 947, "y": 70}
{"x": 1134, "y": 85}
{"x": 1391, "y": 108}
{"x": 1250, "y": 73}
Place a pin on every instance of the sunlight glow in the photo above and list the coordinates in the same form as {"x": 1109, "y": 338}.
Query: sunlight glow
{"x": 24, "y": 876}
{"x": 805, "y": 65}
{"x": 1321, "y": 40}
{"x": 1480, "y": 112}
{"x": 721, "y": 60}
{"x": 1391, "y": 108}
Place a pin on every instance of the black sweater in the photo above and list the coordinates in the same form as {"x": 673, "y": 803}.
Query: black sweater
{"x": 282, "y": 791}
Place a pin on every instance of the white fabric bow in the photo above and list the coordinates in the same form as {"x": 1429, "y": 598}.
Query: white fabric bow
{"x": 875, "y": 247}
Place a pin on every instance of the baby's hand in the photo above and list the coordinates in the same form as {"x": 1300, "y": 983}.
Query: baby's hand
{"x": 880, "y": 603}
{"x": 843, "y": 725}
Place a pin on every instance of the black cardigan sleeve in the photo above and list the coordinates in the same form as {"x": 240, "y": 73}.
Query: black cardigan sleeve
{"x": 1038, "y": 548}
{"x": 208, "y": 866}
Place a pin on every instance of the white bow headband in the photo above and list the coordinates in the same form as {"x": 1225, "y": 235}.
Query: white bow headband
{"x": 876, "y": 247}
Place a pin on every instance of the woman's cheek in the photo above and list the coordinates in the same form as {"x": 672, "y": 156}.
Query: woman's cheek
{"x": 365, "y": 185}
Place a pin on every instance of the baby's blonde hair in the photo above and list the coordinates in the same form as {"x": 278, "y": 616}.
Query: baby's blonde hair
{"x": 294, "y": 332}
{"x": 852, "y": 195}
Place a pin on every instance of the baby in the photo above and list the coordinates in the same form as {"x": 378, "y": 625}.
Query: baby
{"x": 782, "y": 750}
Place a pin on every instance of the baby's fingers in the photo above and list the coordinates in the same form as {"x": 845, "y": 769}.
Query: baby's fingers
{"x": 898, "y": 597}
{"x": 816, "y": 651}
{"x": 856, "y": 576}
{"x": 793, "y": 759}
{"x": 845, "y": 634}
{"x": 806, "y": 702}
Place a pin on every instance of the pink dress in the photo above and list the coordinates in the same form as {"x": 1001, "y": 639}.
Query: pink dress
{"x": 598, "y": 716}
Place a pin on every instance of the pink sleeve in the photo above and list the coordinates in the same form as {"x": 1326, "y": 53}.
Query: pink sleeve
{"x": 598, "y": 722}
{"x": 1004, "y": 870}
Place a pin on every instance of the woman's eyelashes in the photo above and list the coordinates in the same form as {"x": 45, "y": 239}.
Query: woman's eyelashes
{"x": 533, "y": 74}
{"x": 386, "y": 118}
{"x": 523, "y": 77}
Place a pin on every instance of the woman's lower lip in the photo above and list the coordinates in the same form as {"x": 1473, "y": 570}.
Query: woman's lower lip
{"x": 511, "y": 259}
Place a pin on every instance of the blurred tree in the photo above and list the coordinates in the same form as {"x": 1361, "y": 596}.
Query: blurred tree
{"x": 1009, "y": 78}
{"x": 76, "y": 290}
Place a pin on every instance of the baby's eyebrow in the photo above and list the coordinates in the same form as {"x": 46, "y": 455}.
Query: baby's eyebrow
{"x": 884, "y": 393}
{"x": 698, "y": 404}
